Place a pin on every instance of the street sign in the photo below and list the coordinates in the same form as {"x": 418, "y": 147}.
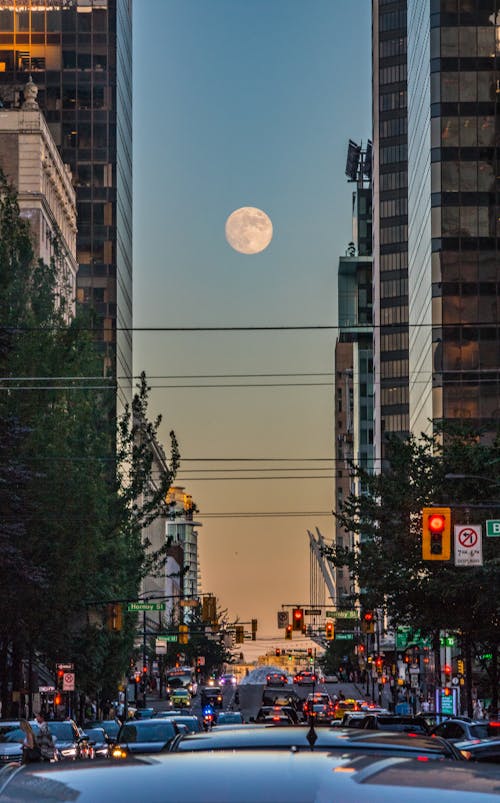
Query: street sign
{"x": 188, "y": 603}
{"x": 146, "y": 606}
{"x": 161, "y": 646}
{"x": 330, "y": 614}
{"x": 347, "y": 615}
{"x": 493, "y": 527}
{"x": 344, "y": 636}
{"x": 468, "y": 545}
{"x": 46, "y": 689}
{"x": 312, "y": 611}
{"x": 65, "y": 667}
{"x": 169, "y": 638}
{"x": 69, "y": 681}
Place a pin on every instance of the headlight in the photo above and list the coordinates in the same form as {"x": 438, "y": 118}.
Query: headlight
{"x": 119, "y": 752}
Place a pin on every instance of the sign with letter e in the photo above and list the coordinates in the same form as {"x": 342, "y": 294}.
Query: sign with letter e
{"x": 468, "y": 545}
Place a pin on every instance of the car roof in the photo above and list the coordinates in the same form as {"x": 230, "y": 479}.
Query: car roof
{"x": 326, "y": 739}
{"x": 231, "y": 777}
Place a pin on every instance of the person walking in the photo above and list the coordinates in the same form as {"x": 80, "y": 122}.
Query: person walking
{"x": 44, "y": 739}
{"x": 31, "y": 750}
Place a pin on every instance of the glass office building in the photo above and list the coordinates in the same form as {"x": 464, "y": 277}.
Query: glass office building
{"x": 390, "y": 220}
{"x": 79, "y": 53}
{"x": 454, "y": 211}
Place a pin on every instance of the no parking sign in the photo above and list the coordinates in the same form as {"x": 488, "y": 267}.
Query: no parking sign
{"x": 468, "y": 545}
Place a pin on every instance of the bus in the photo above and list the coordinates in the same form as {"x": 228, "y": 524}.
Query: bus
{"x": 181, "y": 677}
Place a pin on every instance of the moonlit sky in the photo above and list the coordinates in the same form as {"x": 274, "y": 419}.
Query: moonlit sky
{"x": 246, "y": 103}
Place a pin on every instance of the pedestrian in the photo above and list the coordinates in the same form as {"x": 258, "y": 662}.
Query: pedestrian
{"x": 478, "y": 712}
{"x": 44, "y": 739}
{"x": 31, "y": 750}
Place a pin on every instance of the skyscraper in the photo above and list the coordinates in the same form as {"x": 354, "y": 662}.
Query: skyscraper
{"x": 390, "y": 221}
{"x": 454, "y": 212}
{"x": 79, "y": 54}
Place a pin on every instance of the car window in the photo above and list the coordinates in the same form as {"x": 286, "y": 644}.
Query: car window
{"x": 158, "y": 731}
{"x": 479, "y": 731}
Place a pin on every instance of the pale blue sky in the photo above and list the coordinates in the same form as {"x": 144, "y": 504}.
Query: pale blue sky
{"x": 246, "y": 102}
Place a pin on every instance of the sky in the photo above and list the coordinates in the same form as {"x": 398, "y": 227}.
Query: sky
{"x": 246, "y": 103}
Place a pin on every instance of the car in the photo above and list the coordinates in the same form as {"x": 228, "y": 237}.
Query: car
{"x": 461, "y": 730}
{"x": 321, "y": 713}
{"x": 483, "y": 750}
{"x": 71, "y": 743}
{"x": 230, "y": 718}
{"x": 266, "y": 737}
{"x": 97, "y": 743}
{"x": 302, "y": 776}
{"x": 276, "y": 713}
{"x": 288, "y": 697}
{"x": 189, "y": 721}
{"x": 211, "y": 695}
{"x": 330, "y": 678}
{"x": 228, "y": 679}
{"x": 393, "y": 722}
{"x": 276, "y": 679}
{"x": 341, "y": 706}
{"x": 144, "y": 713}
{"x": 318, "y": 698}
{"x": 11, "y": 739}
{"x": 180, "y": 697}
{"x": 145, "y": 736}
{"x": 305, "y": 678}
{"x": 110, "y": 726}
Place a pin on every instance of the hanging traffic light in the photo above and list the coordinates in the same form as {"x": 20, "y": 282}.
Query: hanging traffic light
{"x": 298, "y": 618}
{"x": 254, "y": 629}
{"x": 60, "y": 676}
{"x": 288, "y": 632}
{"x": 368, "y": 622}
{"x": 436, "y": 533}
{"x": 309, "y": 652}
{"x": 277, "y": 652}
{"x": 329, "y": 631}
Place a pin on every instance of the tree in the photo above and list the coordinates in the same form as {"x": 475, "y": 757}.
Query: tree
{"x": 387, "y": 562}
{"x": 76, "y": 485}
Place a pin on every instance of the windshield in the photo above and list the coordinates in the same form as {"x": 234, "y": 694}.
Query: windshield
{"x": 62, "y": 730}
{"x": 146, "y": 732}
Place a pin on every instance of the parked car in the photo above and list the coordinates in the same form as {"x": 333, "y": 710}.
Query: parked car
{"x": 229, "y": 776}
{"x": 145, "y": 736}
{"x": 305, "y": 678}
{"x": 276, "y": 679}
{"x": 456, "y": 730}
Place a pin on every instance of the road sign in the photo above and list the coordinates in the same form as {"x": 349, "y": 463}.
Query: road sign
{"x": 168, "y": 638}
{"x": 188, "y": 603}
{"x": 161, "y": 646}
{"x": 330, "y": 614}
{"x": 468, "y": 545}
{"x": 344, "y": 636}
{"x": 146, "y": 606}
{"x": 312, "y": 611}
{"x": 65, "y": 667}
{"x": 493, "y": 527}
{"x": 46, "y": 689}
{"x": 347, "y": 615}
{"x": 69, "y": 681}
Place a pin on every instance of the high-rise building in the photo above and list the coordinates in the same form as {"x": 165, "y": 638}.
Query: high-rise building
{"x": 454, "y": 212}
{"x": 79, "y": 54}
{"x": 182, "y": 530}
{"x": 390, "y": 221}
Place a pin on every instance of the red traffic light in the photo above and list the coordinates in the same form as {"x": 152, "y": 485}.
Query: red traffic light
{"x": 436, "y": 522}
{"x": 368, "y": 616}
{"x": 447, "y": 691}
{"x": 298, "y": 618}
{"x": 447, "y": 669}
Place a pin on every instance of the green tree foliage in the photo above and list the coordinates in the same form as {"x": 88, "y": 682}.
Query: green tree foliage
{"x": 387, "y": 563}
{"x": 76, "y": 485}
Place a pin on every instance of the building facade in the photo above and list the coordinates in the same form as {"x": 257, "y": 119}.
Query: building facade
{"x": 182, "y": 530}
{"x": 454, "y": 212}
{"x": 32, "y": 164}
{"x": 390, "y": 220}
{"x": 79, "y": 54}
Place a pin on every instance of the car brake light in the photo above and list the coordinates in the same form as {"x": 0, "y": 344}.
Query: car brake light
{"x": 422, "y": 758}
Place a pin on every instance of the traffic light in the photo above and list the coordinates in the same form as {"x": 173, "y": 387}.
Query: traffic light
{"x": 254, "y": 629}
{"x": 436, "y": 533}
{"x": 460, "y": 666}
{"x": 288, "y": 632}
{"x": 447, "y": 691}
{"x": 368, "y": 622}
{"x": 329, "y": 631}
{"x": 298, "y": 618}
{"x": 60, "y": 676}
{"x": 57, "y": 699}
{"x": 183, "y": 634}
{"x": 310, "y": 653}
{"x": 278, "y": 652}
{"x": 239, "y": 634}
{"x": 114, "y": 616}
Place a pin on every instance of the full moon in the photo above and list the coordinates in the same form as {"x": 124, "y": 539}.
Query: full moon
{"x": 249, "y": 230}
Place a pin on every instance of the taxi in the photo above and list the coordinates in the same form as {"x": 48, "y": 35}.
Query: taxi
{"x": 180, "y": 697}
{"x": 342, "y": 706}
